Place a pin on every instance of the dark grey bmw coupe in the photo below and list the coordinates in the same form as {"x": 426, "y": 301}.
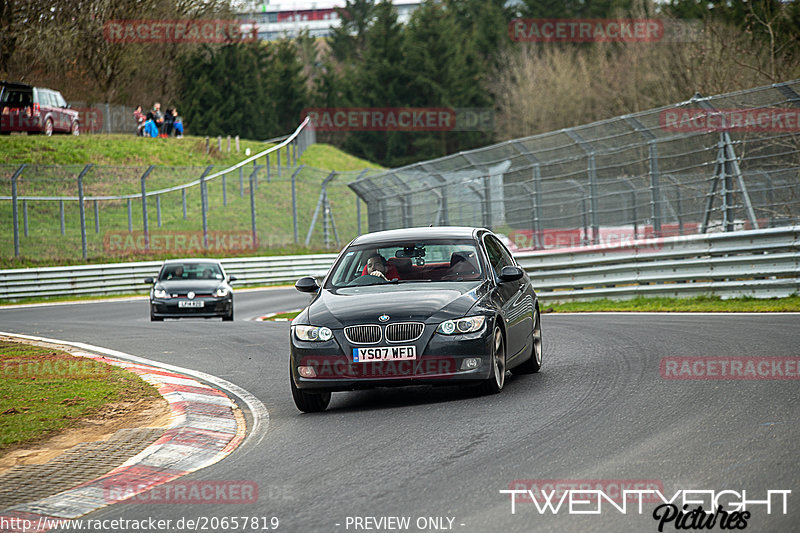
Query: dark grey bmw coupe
{"x": 438, "y": 306}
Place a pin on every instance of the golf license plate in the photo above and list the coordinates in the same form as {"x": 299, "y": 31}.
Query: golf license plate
{"x": 384, "y": 353}
{"x": 191, "y": 303}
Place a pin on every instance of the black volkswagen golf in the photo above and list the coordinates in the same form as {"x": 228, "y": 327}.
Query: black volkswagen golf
{"x": 438, "y": 306}
{"x": 191, "y": 288}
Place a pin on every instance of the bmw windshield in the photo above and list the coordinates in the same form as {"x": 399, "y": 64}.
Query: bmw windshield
{"x": 407, "y": 262}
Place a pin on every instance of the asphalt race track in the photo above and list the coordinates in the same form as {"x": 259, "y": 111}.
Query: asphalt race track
{"x": 599, "y": 410}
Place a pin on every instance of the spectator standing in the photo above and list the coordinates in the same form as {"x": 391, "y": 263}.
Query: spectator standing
{"x": 158, "y": 116}
{"x": 169, "y": 121}
{"x": 139, "y": 117}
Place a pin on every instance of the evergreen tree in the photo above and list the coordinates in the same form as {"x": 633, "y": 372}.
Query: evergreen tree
{"x": 287, "y": 85}
{"x": 347, "y": 40}
{"x": 380, "y": 80}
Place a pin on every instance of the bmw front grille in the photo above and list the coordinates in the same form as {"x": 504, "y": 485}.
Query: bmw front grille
{"x": 404, "y": 332}
{"x": 366, "y": 334}
{"x": 372, "y": 333}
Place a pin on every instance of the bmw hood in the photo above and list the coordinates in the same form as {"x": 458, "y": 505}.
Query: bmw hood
{"x": 420, "y": 303}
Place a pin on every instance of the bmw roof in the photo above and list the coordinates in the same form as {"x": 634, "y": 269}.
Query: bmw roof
{"x": 405, "y": 234}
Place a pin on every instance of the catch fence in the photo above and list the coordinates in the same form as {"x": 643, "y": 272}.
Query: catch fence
{"x": 723, "y": 163}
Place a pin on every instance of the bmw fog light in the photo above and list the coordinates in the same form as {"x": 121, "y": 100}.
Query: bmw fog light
{"x": 470, "y": 363}
{"x": 306, "y": 371}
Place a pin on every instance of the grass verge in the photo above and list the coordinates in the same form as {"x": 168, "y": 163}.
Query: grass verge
{"x": 43, "y": 391}
{"x": 697, "y": 304}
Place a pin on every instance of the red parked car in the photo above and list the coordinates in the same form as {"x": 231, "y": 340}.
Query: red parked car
{"x": 24, "y": 108}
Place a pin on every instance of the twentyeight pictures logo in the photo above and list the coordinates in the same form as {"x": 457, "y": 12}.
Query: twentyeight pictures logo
{"x": 681, "y": 509}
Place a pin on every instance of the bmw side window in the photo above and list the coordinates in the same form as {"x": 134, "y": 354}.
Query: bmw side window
{"x": 508, "y": 260}
{"x": 497, "y": 255}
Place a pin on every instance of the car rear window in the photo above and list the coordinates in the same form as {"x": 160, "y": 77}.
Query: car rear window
{"x": 17, "y": 98}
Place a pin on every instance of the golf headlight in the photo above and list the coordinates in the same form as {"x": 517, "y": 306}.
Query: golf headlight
{"x": 468, "y": 324}
{"x": 221, "y": 292}
{"x": 313, "y": 333}
{"x": 160, "y": 293}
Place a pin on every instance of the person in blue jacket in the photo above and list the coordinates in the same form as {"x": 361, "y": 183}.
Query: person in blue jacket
{"x": 150, "y": 128}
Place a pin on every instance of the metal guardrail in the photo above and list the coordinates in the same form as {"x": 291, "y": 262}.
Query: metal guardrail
{"x": 760, "y": 263}
{"x": 129, "y": 277}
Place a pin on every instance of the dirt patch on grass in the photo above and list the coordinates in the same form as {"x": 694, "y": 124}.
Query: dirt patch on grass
{"x": 134, "y": 412}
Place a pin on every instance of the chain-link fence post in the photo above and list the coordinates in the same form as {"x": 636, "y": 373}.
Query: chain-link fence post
{"x": 14, "y": 212}
{"x": 183, "y": 201}
{"x": 294, "y": 201}
{"x": 130, "y": 216}
{"x": 204, "y": 204}
{"x": 253, "y": 206}
{"x": 82, "y": 209}
{"x": 145, "y": 229}
{"x": 655, "y": 187}
{"x": 61, "y": 215}
{"x": 224, "y": 183}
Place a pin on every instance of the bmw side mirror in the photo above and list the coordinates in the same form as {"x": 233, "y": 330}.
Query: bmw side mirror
{"x": 306, "y": 284}
{"x": 511, "y": 273}
{"x": 232, "y": 278}
{"x": 148, "y": 280}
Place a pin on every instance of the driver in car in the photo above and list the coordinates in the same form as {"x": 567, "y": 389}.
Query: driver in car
{"x": 377, "y": 266}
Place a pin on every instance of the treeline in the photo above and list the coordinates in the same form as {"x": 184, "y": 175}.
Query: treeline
{"x": 450, "y": 54}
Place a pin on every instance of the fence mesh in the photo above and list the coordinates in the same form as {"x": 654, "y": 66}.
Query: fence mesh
{"x": 721, "y": 163}
{"x": 189, "y": 210}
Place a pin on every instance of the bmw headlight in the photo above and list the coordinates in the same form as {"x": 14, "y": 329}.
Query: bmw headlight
{"x": 160, "y": 293}
{"x": 221, "y": 292}
{"x": 313, "y": 333}
{"x": 468, "y": 324}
